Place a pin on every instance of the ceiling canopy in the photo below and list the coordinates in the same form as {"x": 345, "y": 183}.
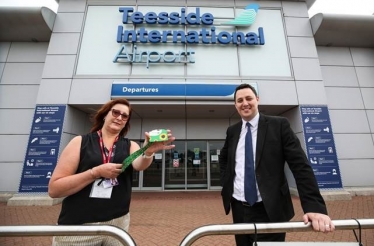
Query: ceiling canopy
{"x": 26, "y": 24}
{"x": 343, "y": 30}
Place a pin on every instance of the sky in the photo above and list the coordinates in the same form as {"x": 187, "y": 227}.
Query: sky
{"x": 356, "y": 7}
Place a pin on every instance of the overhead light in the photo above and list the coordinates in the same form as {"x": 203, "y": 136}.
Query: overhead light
{"x": 211, "y": 110}
{"x": 159, "y": 110}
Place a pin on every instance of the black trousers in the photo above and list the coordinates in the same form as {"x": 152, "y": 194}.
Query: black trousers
{"x": 244, "y": 213}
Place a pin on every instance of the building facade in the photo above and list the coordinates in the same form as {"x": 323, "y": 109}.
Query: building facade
{"x": 178, "y": 63}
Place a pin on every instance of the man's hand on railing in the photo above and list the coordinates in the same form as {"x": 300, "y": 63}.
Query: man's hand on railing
{"x": 320, "y": 222}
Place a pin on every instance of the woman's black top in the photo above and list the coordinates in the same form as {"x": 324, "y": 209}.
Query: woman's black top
{"x": 79, "y": 208}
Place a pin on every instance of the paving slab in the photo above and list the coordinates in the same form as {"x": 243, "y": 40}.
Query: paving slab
{"x": 165, "y": 218}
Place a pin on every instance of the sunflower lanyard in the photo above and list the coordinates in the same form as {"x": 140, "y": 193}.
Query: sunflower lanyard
{"x": 127, "y": 162}
{"x": 159, "y": 135}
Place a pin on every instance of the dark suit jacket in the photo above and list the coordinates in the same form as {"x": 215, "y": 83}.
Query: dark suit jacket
{"x": 276, "y": 144}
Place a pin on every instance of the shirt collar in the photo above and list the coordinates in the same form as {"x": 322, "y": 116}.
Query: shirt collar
{"x": 253, "y": 122}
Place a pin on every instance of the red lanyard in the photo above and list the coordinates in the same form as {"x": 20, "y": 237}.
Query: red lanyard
{"x": 106, "y": 158}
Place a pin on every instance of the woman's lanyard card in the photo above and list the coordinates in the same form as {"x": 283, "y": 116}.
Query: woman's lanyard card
{"x": 100, "y": 191}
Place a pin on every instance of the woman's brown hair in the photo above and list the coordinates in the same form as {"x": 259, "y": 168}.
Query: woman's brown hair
{"x": 98, "y": 118}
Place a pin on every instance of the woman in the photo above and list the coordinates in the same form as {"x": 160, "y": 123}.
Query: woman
{"x": 89, "y": 175}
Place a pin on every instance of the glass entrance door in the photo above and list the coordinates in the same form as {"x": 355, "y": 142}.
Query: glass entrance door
{"x": 175, "y": 173}
{"x": 187, "y": 166}
{"x": 197, "y": 172}
{"x": 215, "y": 149}
{"x": 152, "y": 176}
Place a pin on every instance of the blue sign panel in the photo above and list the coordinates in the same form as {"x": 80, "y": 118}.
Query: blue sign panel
{"x": 147, "y": 90}
{"x": 320, "y": 146}
{"x": 43, "y": 148}
{"x": 170, "y": 91}
{"x": 213, "y": 90}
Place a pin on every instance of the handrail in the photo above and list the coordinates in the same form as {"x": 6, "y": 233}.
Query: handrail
{"x": 67, "y": 230}
{"x": 230, "y": 229}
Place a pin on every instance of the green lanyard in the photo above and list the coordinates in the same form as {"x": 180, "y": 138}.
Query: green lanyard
{"x": 127, "y": 162}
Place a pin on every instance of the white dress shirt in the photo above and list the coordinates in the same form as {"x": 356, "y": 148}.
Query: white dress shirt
{"x": 238, "y": 193}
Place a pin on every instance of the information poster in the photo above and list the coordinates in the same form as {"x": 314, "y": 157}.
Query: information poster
{"x": 320, "y": 146}
{"x": 196, "y": 160}
{"x": 43, "y": 148}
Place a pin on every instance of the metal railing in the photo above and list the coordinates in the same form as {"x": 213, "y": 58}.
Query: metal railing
{"x": 208, "y": 230}
{"x": 66, "y": 230}
{"x": 231, "y": 229}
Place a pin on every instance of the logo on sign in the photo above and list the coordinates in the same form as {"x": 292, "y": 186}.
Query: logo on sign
{"x": 246, "y": 18}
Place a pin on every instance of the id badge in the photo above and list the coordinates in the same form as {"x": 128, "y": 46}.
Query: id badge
{"x": 99, "y": 191}
{"x": 110, "y": 183}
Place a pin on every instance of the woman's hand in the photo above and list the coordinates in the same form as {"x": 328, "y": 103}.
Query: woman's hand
{"x": 142, "y": 163}
{"x": 157, "y": 146}
{"x": 108, "y": 170}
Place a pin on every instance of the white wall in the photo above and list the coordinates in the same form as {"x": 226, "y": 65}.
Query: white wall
{"x": 348, "y": 75}
{"x": 21, "y": 67}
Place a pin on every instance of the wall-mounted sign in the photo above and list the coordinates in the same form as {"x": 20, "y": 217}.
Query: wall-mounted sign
{"x": 205, "y": 35}
{"x": 175, "y": 162}
{"x": 176, "y": 91}
{"x": 222, "y": 48}
{"x": 320, "y": 146}
{"x": 152, "y": 56}
{"x": 43, "y": 148}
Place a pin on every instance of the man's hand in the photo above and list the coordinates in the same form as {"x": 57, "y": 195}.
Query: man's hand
{"x": 320, "y": 222}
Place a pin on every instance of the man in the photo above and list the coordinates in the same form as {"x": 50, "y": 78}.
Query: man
{"x": 273, "y": 143}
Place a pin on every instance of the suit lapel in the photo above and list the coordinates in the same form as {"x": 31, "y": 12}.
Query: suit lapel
{"x": 235, "y": 140}
{"x": 236, "y": 132}
{"x": 261, "y": 134}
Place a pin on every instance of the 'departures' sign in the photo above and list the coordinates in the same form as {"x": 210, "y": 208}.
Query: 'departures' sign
{"x": 43, "y": 148}
{"x": 176, "y": 91}
{"x": 320, "y": 146}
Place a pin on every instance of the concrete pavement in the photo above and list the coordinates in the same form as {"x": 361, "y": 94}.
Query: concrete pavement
{"x": 165, "y": 218}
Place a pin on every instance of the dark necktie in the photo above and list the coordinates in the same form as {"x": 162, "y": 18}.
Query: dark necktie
{"x": 250, "y": 191}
